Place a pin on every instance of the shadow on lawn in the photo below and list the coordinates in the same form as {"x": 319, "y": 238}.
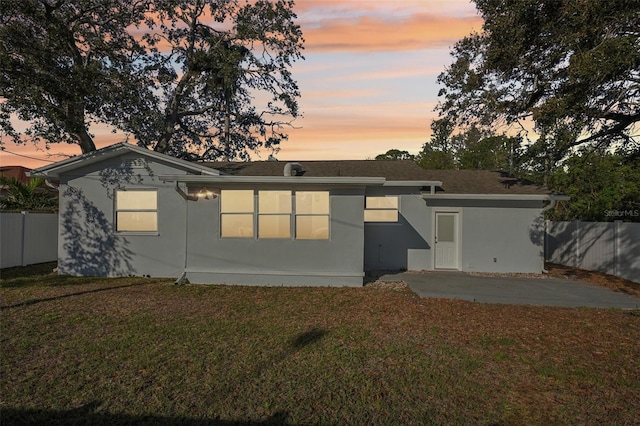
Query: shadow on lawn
{"x": 87, "y": 415}
{"x": 64, "y": 296}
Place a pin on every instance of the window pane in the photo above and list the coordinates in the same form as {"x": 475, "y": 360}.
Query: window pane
{"x": 236, "y": 201}
{"x": 136, "y": 200}
{"x": 236, "y": 225}
{"x": 381, "y": 215}
{"x": 274, "y": 201}
{"x": 312, "y": 227}
{"x": 382, "y": 202}
{"x": 137, "y": 221}
{"x": 446, "y": 228}
{"x": 274, "y": 226}
{"x": 312, "y": 202}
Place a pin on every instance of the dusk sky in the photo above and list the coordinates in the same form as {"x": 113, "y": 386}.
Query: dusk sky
{"x": 368, "y": 82}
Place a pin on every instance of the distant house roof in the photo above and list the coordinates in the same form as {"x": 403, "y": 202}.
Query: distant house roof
{"x": 17, "y": 172}
{"x": 453, "y": 181}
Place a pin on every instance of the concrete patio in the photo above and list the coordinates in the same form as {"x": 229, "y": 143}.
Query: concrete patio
{"x": 541, "y": 291}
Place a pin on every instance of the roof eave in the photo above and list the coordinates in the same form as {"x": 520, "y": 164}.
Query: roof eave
{"x": 510, "y": 197}
{"x": 56, "y": 169}
{"x": 432, "y": 183}
{"x": 290, "y": 180}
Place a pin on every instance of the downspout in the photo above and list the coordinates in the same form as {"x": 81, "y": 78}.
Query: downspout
{"x": 182, "y": 279}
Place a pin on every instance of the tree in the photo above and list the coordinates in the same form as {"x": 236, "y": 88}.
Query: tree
{"x": 395, "y": 154}
{"x": 570, "y": 67}
{"x": 67, "y": 64}
{"x": 603, "y": 186}
{"x": 490, "y": 153}
{"x": 439, "y": 153}
{"x": 212, "y": 59}
{"x": 26, "y": 196}
{"x": 184, "y": 77}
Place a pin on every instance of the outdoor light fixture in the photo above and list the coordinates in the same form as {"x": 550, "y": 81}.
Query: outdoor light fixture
{"x": 204, "y": 193}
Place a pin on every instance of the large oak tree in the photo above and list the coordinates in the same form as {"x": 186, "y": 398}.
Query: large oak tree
{"x": 572, "y": 67}
{"x": 190, "y": 78}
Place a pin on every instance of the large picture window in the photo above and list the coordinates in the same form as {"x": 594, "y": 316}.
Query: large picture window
{"x": 236, "y": 213}
{"x": 274, "y": 211}
{"x": 381, "y": 209}
{"x": 312, "y": 215}
{"x": 137, "y": 211}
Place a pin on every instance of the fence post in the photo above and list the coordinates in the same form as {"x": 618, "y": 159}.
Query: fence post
{"x": 616, "y": 247}
{"x": 546, "y": 242}
{"x": 23, "y": 231}
{"x": 577, "y": 240}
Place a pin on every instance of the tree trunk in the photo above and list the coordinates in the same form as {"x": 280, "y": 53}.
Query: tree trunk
{"x": 85, "y": 141}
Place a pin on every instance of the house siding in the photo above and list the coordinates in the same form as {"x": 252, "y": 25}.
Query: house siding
{"x": 404, "y": 245}
{"x": 499, "y": 236}
{"x": 337, "y": 261}
{"x": 88, "y": 243}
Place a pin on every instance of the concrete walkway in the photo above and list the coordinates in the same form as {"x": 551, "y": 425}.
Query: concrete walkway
{"x": 513, "y": 290}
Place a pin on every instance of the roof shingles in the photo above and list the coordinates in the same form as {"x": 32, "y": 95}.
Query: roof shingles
{"x": 453, "y": 181}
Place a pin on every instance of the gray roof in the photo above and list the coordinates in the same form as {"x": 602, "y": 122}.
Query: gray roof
{"x": 453, "y": 181}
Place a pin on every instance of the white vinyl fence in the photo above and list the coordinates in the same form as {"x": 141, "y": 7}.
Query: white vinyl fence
{"x": 28, "y": 238}
{"x": 609, "y": 247}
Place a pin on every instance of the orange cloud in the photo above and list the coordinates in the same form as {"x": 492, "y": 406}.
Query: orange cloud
{"x": 375, "y": 34}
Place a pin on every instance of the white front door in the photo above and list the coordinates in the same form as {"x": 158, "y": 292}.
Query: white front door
{"x": 446, "y": 240}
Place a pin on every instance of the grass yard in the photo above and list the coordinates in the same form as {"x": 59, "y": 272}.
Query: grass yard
{"x": 131, "y": 350}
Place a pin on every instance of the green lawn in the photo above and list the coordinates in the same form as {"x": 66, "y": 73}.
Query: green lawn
{"x": 131, "y": 350}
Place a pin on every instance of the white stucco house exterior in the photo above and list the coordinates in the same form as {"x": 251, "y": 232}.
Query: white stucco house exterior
{"x": 126, "y": 210}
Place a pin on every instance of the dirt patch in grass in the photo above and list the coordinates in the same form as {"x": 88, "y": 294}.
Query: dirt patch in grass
{"x": 604, "y": 280}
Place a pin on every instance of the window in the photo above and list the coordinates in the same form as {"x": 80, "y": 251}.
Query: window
{"x": 236, "y": 213}
{"x": 274, "y": 214}
{"x": 381, "y": 209}
{"x": 312, "y": 215}
{"x": 274, "y": 211}
{"x": 137, "y": 211}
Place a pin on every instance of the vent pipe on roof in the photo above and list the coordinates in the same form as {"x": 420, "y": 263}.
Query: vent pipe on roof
{"x": 292, "y": 169}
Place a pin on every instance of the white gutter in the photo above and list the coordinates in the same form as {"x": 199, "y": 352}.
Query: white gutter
{"x": 431, "y": 183}
{"x": 514, "y": 197}
{"x": 298, "y": 180}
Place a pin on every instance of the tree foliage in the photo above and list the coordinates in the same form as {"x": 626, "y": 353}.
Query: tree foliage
{"x": 395, "y": 154}
{"x": 572, "y": 67}
{"x": 30, "y": 196}
{"x": 603, "y": 186}
{"x": 472, "y": 149}
{"x": 66, "y": 65}
{"x": 190, "y": 78}
{"x": 222, "y": 55}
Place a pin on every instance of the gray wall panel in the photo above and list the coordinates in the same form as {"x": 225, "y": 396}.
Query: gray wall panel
{"x": 88, "y": 244}
{"x": 272, "y": 261}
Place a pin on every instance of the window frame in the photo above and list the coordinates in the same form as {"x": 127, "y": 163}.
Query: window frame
{"x": 117, "y": 210}
{"x": 292, "y": 215}
{"x": 368, "y": 208}
{"x": 264, "y": 214}
{"x": 222, "y": 214}
{"x": 302, "y": 215}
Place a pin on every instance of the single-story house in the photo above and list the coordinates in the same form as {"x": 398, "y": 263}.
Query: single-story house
{"x": 126, "y": 210}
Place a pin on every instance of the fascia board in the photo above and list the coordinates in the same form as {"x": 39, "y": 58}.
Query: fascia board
{"x": 413, "y": 183}
{"x": 291, "y": 180}
{"x": 56, "y": 169}
{"x": 515, "y": 197}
